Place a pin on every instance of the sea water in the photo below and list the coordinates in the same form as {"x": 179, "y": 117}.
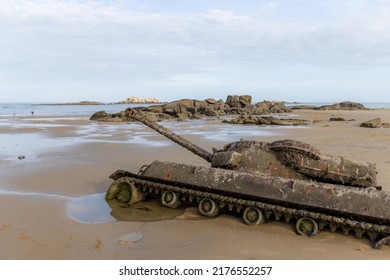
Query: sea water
{"x": 27, "y": 109}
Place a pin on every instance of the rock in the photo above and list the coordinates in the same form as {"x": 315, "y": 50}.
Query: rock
{"x": 238, "y": 101}
{"x": 248, "y": 119}
{"x": 267, "y": 107}
{"x": 263, "y": 121}
{"x": 211, "y": 112}
{"x": 21, "y": 157}
{"x": 170, "y": 111}
{"x": 153, "y": 109}
{"x": 302, "y": 107}
{"x": 245, "y": 100}
{"x": 182, "y": 116}
{"x": 211, "y": 100}
{"x": 346, "y": 105}
{"x": 256, "y": 120}
{"x": 233, "y": 101}
{"x": 337, "y": 120}
{"x": 286, "y": 122}
{"x": 153, "y": 117}
{"x": 120, "y": 115}
{"x": 175, "y": 106}
{"x": 99, "y": 115}
{"x": 187, "y": 103}
{"x": 375, "y": 123}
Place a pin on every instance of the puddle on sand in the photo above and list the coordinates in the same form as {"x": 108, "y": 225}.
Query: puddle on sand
{"x": 94, "y": 209}
{"x": 129, "y": 238}
{"x": 28, "y": 144}
{"x": 90, "y": 209}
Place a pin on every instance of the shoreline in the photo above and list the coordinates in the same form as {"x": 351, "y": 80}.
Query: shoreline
{"x": 75, "y": 157}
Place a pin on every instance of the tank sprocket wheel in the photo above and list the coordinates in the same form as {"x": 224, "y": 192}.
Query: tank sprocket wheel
{"x": 306, "y": 227}
{"x": 253, "y": 216}
{"x": 170, "y": 199}
{"x": 124, "y": 191}
{"x": 207, "y": 207}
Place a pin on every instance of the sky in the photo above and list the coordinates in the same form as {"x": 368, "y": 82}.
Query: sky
{"x": 291, "y": 50}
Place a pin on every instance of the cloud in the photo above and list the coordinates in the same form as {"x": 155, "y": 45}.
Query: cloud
{"x": 110, "y": 42}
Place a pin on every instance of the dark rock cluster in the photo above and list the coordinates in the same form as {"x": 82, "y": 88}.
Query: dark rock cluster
{"x": 269, "y": 120}
{"x": 192, "y": 109}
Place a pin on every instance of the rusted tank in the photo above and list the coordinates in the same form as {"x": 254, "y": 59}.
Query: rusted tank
{"x": 285, "y": 158}
{"x": 285, "y": 179}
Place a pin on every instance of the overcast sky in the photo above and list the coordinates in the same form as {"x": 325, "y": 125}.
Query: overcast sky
{"x": 293, "y": 50}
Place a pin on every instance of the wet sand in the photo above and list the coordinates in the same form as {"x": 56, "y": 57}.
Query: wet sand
{"x": 52, "y": 206}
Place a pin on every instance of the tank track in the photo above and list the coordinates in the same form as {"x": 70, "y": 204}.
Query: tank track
{"x": 379, "y": 234}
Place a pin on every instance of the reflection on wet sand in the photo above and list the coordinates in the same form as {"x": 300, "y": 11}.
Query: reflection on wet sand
{"x": 144, "y": 211}
{"x": 94, "y": 209}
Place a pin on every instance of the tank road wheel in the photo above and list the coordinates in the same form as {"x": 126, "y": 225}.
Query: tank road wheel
{"x": 208, "y": 207}
{"x": 124, "y": 190}
{"x": 306, "y": 226}
{"x": 170, "y": 199}
{"x": 253, "y": 216}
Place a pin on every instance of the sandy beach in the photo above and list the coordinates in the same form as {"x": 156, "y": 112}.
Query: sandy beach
{"x": 52, "y": 201}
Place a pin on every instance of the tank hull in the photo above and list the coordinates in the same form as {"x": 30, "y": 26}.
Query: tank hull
{"x": 368, "y": 204}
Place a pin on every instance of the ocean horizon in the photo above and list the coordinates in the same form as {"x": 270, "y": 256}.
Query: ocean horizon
{"x": 58, "y": 109}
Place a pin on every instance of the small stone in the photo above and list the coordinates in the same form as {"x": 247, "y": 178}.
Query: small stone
{"x": 337, "y": 119}
{"x": 375, "y": 123}
{"x": 21, "y": 157}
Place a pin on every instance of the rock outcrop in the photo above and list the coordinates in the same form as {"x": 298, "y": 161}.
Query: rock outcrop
{"x": 346, "y": 105}
{"x": 192, "y": 109}
{"x": 257, "y": 120}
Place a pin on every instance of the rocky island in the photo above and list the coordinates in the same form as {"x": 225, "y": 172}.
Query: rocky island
{"x": 194, "y": 109}
{"x": 137, "y": 100}
{"x": 76, "y": 103}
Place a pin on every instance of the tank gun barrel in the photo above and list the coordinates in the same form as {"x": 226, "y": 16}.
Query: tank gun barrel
{"x": 134, "y": 114}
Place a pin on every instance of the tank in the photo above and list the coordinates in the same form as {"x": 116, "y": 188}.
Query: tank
{"x": 283, "y": 180}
